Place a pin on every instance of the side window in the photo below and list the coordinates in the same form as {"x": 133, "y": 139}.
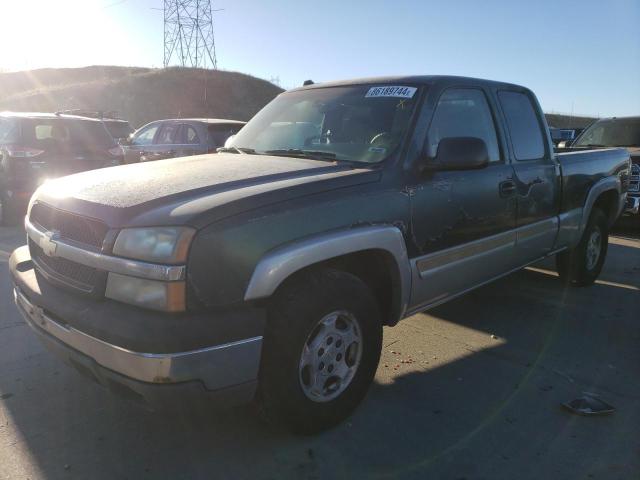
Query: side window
{"x": 524, "y": 127}
{"x": 168, "y": 134}
{"x": 463, "y": 112}
{"x": 145, "y": 136}
{"x": 8, "y": 130}
{"x": 190, "y": 135}
{"x": 218, "y": 134}
{"x": 51, "y": 130}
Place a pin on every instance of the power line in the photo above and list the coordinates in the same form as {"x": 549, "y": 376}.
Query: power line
{"x": 188, "y": 34}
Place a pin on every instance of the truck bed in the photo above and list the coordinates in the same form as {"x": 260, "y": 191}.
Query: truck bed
{"x": 582, "y": 169}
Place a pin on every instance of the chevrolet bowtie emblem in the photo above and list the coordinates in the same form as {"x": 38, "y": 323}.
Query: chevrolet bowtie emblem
{"x": 48, "y": 243}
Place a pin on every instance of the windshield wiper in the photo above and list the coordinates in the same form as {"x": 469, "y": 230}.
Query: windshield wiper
{"x": 296, "y": 152}
{"x": 249, "y": 151}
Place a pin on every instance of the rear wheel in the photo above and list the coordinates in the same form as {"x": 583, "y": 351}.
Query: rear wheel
{"x": 581, "y": 265}
{"x": 321, "y": 350}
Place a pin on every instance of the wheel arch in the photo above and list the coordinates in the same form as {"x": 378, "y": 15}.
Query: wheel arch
{"x": 604, "y": 194}
{"x": 375, "y": 254}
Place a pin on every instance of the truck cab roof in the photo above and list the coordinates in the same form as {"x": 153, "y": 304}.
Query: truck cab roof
{"x": 412, "y": 80}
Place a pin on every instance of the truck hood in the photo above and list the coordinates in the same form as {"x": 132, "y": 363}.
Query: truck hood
{"x": 188, "y": 190}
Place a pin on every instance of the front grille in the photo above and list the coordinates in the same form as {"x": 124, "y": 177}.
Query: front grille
{"x": 65, "y": 271}
{"x": 634, "y": 180}
{"x": 73, "y": 227}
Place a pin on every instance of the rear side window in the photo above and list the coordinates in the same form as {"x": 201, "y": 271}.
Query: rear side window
{"x": 118, "y": 129}
{"x": 463, "y": 112}
{"x": 169, "y": 134}
{"x": 524, "y": 126}
{"x": 90, "y": 135}
{"x": 190, "y": 135}
{"x": 218, "y": 134}
{"x": 77, "y": 134}
{"x": 8, "y": 130}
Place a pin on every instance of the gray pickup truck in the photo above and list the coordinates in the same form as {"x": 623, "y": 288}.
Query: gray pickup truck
{"x": 268, "y": 270}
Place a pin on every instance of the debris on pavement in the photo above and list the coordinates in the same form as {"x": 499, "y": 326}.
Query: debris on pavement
{"x": 589, "y": 404}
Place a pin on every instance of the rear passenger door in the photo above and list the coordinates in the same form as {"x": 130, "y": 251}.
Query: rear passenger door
{"x": 535, "y": 175}
{"x": 190, "y": 141}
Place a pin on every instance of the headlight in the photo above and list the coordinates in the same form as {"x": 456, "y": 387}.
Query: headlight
{"x": 158, "y": 244}
{"x": 165, "y": 296}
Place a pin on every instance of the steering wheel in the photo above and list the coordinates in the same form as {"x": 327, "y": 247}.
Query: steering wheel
{"x": 381, "y": 138}
{"x": 326, "y": 137}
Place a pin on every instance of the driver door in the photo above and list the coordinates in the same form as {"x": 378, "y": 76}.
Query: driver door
{"x": 463, "y": 221}
{"x": 141, "y": 140}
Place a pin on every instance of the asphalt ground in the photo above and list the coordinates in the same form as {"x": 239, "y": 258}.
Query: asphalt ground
{"x": 470, "y": 390}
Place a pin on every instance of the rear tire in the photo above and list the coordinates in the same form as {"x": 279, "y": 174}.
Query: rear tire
{"x": 321, "y": 350}
{"x": 581, "y": 265}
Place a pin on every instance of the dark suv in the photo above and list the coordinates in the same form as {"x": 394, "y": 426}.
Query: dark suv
{"x": 178, "y": 138}
{"x": 35, "y": 147}
{"x": 117, "y": 127}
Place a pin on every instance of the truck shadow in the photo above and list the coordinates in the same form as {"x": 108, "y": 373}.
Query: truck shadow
{"x": 500, "y": 361}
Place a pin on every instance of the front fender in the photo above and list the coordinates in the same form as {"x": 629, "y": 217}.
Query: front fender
{"x": 278, "y": 264}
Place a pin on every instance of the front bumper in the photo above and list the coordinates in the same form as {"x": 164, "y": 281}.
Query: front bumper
{"x": 224, "y": 372}
{"x": 632, "y": 205}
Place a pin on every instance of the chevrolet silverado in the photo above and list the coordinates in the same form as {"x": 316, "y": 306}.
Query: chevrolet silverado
{"x": 267, "y": 271}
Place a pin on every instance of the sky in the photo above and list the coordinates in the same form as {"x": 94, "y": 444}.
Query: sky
{"x": 578, "y": 56}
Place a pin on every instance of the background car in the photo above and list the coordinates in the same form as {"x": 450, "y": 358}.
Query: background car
{"x": 178, "y": 138}
{"x": 566, "y": 135}
{"x": 618, "y": 132}
{"x": 35, "y": 147}
{"x": 117, "y": 127}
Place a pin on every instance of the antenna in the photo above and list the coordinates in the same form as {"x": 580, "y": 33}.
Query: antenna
{"x": 188, "y": 34}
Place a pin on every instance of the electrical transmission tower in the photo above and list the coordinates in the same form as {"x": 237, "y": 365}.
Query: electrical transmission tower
{"x": 188, "y": 34}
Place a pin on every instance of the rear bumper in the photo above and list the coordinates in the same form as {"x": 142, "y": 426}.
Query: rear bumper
{"x": 226, "y": 373}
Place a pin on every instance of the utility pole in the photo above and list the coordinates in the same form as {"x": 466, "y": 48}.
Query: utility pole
{"x": 188, "y": 34}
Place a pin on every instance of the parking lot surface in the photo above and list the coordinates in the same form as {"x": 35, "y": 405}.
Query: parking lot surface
{"x": 470, "y": 390}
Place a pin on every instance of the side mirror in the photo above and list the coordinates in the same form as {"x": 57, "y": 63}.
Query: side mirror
{"x": 459, "y": 153}
{"x": 229, "y": 141}
{"x": 564, "y": 144}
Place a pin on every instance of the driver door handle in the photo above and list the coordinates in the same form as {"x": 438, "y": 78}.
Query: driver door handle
{"x": 507, "y": 188}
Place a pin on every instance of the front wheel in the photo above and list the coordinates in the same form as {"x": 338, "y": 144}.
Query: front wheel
{"x": 321, "y": 350}
{"x": 581, "y": 265}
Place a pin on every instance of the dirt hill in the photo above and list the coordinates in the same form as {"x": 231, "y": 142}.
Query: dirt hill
{"x": 144, "y": 94}
{"x": 568, "y": 121}
{"x": 137, "y": 94}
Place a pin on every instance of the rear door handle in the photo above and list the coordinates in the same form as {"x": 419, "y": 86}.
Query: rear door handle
{"x": 536, "y": 181}
{"x": 507, "y": 188}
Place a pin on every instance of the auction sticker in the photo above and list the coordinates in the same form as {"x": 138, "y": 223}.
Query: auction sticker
{"x": 391, "y": 91}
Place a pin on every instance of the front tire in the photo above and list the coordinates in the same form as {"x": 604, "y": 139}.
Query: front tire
{"x": 581, "y": 265}
{"x": 321, "y": 350}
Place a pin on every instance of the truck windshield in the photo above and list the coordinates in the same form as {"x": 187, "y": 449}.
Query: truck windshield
{"x": 363, "y": 123}
{"x": 615, "y": 132}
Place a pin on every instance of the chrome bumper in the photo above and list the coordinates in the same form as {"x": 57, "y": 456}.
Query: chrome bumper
{"x": 217, "y": 367}
{"x": 632, "y": 206}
